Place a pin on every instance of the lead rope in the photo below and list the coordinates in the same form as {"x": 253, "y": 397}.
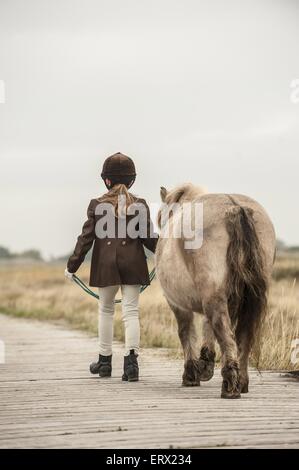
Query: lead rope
{"x": 86, "y": 289}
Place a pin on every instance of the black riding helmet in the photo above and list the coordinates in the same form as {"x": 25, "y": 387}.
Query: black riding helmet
{"x": 119, "y": 168}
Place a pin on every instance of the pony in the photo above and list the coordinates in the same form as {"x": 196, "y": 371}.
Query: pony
{"x": 226, "y": 279}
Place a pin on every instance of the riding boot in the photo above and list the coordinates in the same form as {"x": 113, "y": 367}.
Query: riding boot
{"x": 131, "y": 369}
{"x": 102, "y": 367}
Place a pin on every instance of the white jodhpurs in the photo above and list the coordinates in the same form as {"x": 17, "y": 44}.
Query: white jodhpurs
{"x": 130, "y": 316}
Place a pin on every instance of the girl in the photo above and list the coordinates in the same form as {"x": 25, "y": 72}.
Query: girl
{"x": 118, "y": 259}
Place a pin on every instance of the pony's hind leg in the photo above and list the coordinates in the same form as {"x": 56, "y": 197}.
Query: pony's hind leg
{"x": 206, "y": 362}
{"x": 244, "y": 341}
{"x": 216, "y": 311}
{"x": 188, "y": 337}
{"x": 244, "y": 350}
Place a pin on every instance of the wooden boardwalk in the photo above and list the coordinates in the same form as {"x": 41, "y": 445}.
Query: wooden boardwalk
{"x": 48, "y": 399}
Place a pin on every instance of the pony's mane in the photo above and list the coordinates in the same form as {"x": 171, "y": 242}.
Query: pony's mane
{"x": 183, "y": 193}
{"x": 187, "y": 191}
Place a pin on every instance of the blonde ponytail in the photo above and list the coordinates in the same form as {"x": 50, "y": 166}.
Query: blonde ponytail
{"x": 113, "y": 195}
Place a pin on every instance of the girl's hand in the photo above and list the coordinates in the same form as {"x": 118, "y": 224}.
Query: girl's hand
{"x": 68, "y": 275}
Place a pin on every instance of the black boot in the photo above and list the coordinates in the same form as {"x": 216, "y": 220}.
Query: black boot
{"x": 131, "y": 369}
{"x": 102, "y": 367}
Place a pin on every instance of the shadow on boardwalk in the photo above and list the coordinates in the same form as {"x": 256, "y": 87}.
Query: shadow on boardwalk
{"x": 48, "y": 399}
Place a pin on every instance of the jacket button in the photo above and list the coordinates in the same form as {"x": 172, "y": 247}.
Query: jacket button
{"x": 108, "y": 243}
{"x": 123, "y": 242}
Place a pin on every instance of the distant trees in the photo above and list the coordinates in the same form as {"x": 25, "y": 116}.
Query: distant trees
{"x": 32, "y": 254}
{"x": 5, "y": 253}
{"x": 282, "y": 247}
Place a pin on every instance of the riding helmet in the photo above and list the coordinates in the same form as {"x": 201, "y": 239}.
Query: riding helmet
{"x": 119, "y": 168}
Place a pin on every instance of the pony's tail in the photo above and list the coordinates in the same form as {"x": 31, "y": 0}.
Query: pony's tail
{"x": 247, "y": 283}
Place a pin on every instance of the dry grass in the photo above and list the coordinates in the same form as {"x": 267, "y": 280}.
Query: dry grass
{"x": 40, "y": 291}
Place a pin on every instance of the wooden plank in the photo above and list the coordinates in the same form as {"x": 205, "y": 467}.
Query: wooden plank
{"x": 48, "y": 399}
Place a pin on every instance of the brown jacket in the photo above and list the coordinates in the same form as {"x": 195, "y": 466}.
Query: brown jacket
{"x": 115, "y": 260}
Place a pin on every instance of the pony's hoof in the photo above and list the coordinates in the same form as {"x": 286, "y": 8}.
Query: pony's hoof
{"x": 231, "y": 395}
{"x": 206, "y": 364}
{"x": 190, "y": 383}
{"x": 190, "y": 376}
{"x": 244, "y": 388}
{"x": 231, "y": 381}
{"x": 205, "y": 370}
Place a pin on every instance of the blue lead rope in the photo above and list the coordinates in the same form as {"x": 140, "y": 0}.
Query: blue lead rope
{"x": 86, "y": 289}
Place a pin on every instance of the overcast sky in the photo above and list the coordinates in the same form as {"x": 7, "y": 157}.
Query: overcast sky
{"x": 193, "y": 90}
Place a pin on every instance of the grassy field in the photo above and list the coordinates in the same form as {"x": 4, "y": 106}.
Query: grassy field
{"x": 41, "y": 291}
